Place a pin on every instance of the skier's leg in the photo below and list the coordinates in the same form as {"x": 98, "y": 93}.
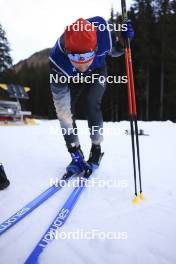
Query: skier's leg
{"x": 94, "y": 94}
{"x": 62, "y": 102}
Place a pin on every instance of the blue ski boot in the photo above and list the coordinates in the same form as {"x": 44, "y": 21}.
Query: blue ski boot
{"x": 78, "y": 164}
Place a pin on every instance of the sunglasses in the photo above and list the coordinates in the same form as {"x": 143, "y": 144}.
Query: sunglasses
{"x": 81, "y": 58}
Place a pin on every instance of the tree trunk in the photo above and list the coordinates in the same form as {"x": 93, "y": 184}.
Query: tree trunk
{"x": 162, "y": 91}
{"x": 147, "y": 92}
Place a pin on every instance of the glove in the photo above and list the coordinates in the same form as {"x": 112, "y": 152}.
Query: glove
{"x": 129, "y": 33}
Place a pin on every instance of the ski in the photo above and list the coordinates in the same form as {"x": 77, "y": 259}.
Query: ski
{"x": 60, "y": 219}
{"x": 28, "y": 208}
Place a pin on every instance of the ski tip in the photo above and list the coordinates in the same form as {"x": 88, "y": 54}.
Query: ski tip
{"x": 142, "y": 196}
{"x": 136, "y": 200}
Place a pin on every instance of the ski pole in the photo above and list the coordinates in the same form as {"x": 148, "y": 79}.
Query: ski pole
{"x": 132, "y": 109}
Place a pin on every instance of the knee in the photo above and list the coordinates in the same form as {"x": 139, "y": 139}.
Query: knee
{"x": 63, "y": 111}
{"x": 63, "y": 114}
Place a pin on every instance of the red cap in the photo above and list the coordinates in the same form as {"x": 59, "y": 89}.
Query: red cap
{"x": 80, "y": 37}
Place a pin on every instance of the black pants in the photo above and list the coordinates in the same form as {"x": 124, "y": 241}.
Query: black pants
{"x": 65, "y": 99}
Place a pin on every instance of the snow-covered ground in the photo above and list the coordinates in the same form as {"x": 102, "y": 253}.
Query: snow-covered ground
{"x": 145, "y": 233}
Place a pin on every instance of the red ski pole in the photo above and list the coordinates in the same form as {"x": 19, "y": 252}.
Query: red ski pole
{"x": 132, "y": 109}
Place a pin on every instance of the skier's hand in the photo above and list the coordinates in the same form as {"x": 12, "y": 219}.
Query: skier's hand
{"x": 129, "y": 33}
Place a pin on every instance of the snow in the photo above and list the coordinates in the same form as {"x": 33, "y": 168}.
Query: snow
{"x": 33, "y": 154}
